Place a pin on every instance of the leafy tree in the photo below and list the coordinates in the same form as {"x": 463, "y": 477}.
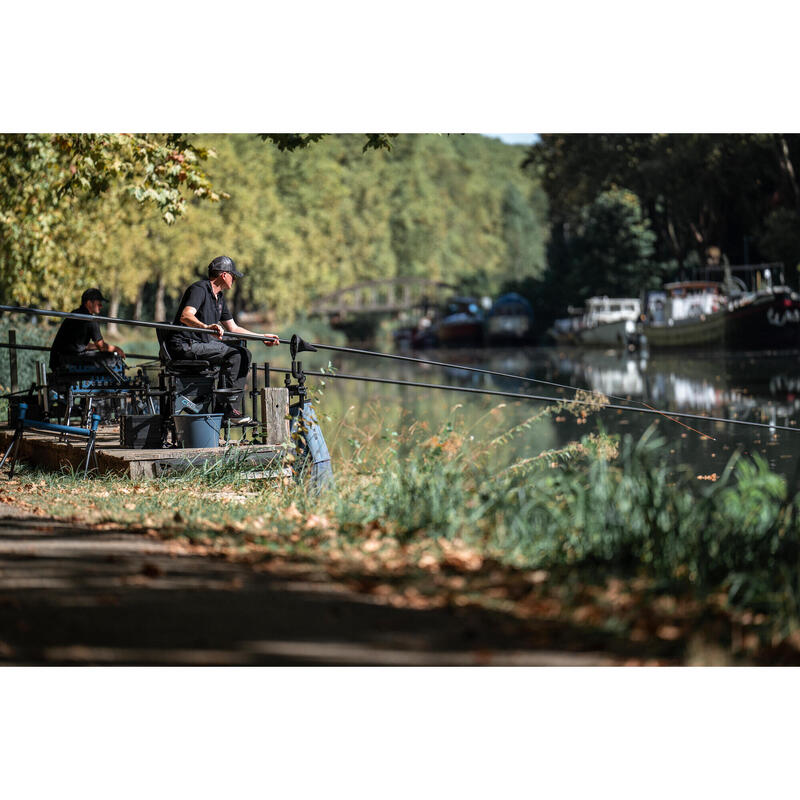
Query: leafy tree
{"x": 298, "y": 141}
{"x": 780, "y": 240}
{"x": 49, "y": 185}
{"x": 612, "y": 248}
{"x": 301, "y": 220}
{"x": 524, "y": 236}
{"x": 697, "y": 190}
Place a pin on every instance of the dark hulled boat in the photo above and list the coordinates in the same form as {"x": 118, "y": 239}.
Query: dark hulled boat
{"x": 723, "y": 314}
{"x": 766, "y": 319}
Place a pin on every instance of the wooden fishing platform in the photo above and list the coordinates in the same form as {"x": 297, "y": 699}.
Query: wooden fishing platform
{"x": 258, "y": 460}
{"x": 45, "y": 450}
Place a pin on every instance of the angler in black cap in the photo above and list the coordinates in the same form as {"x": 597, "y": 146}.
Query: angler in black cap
{"x": 203, "y": 306}
{"x": 78, "y": 340}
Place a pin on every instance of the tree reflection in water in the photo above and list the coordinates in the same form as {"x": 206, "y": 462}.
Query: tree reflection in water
{"x": 762, "y": 387}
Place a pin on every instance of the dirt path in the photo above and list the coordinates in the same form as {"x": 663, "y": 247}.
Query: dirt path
{"x": 74, "y": 596}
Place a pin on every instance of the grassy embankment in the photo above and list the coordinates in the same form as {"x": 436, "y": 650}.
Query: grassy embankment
{"x": 603, "y": 534}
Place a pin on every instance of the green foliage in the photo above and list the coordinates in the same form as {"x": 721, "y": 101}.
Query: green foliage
{"x": 525, "y": 239}
{"x": 611, "y": 249}
{"x": 594, "y": 509}
{"x": 607, "y": 250}
{"x": 697, "y": 190}
{"x": 780, "y": 240}
{"x": 297, "y": 141}
{"x": 52, "y": 225}
{"x": 300, "y": 220}
{"x": 704, "y": 198}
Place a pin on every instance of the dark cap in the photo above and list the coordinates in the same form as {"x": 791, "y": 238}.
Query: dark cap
{"x": 92, "y": 294}
{"x": 224, "y": 264}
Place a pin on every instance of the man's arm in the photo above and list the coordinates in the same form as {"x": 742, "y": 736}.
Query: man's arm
{"x": 188, "y": 317}
{"x": 101, "y": 344}
{"x": 269, "y": 339}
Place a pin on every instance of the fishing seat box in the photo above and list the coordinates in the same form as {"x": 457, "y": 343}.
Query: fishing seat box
{"x": 140, "y": 431}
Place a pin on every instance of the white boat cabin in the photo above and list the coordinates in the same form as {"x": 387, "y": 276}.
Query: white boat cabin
{"x": 602, "y": 310}
{"x": 690, "y": 299}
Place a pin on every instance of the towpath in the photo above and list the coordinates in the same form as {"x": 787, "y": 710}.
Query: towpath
{"x": 70, "y": 595}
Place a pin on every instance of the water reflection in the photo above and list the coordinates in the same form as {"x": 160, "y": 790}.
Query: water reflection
{"x": 759, "y": 388}
{"x": 753, "y": 387}
{"x": 735, "y": 385}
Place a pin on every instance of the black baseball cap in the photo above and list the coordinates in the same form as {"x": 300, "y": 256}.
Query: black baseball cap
{"x": 224, "y": 264}
{"x": 93, "y": 294}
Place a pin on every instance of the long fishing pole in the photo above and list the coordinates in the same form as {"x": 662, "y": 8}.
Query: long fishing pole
{"x": 166, "y": 326}
{"x": 41, "y": 349}
{"x": 377, "y": 354}
{"x": 519, "y": 396}
{"x": 495, "y": 373}
{"x": 334, "y": 348}
{"x": 257, "y": 337}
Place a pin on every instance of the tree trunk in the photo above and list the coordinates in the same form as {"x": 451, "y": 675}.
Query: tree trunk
{"x": 137, "y": 309}
{"x": 161, "y": 309}
{"x": 113, "y": 311}
{"x": 788, "y": 168}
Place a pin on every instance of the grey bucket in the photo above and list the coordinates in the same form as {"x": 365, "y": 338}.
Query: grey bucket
{"x": 198, "y": 430}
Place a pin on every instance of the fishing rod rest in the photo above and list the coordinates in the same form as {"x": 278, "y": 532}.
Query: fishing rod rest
{"x": 298, "y": 345}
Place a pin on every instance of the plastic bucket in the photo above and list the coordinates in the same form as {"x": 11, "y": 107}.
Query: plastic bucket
{"x": 198, "y": 430}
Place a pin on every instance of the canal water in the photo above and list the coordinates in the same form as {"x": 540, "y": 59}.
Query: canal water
{"x": 749, "y": 386}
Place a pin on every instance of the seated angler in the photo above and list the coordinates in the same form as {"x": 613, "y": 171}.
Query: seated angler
{"x": 79, "y": 341}
{"x": 203, "y": 307}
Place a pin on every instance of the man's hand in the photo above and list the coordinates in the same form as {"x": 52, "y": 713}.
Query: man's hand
{"x": 271, "y": 339}
{"x": 118, "y": 351}
{"x": 216, "y": 330}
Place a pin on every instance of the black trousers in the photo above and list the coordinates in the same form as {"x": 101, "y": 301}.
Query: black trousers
{"x": 233, "y": 362}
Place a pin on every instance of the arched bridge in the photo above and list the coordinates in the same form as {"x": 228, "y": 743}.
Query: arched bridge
{"x": 388, "y": 296}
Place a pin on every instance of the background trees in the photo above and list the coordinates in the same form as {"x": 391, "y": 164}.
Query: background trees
{"x": 305, "y": 217}
{"x": 723, "y": 197}
{"x": 572, "y": 216}
{"x": 697, "y": 190}
{"x": 53, "y": 225}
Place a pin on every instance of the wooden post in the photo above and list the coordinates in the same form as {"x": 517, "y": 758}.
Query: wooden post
{"x": 275, "y": 414}
{"x": 12, "y": 358}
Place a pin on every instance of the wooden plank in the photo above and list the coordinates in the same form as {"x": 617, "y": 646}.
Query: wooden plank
{"x": 275, "y": 415}
{"x": 47, "y": 451}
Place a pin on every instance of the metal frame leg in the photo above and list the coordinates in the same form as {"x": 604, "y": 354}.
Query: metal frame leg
{"x": 14, "y": 441}
{"x": 63, "y": 437}
{"x": 22, "y": 410}
{"x": 254, "y": 392}
{"x": 90, "y": 445}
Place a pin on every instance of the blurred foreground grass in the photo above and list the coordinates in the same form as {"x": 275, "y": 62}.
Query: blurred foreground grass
{"x": 604, "y": 532}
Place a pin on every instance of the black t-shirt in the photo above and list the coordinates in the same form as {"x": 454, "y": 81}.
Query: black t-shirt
{"x": 211, "y": 308}
{"x": 73, "y": 336}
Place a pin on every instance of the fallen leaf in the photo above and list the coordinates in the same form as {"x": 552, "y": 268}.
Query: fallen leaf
{"x": 669, "y": 633}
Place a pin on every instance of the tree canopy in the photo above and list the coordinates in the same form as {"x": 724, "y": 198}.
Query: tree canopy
{"x": 697, "y": 190}
{"x": 701, "y": 198}
{"x": 142, "y": 215}
{"x": 52, "y": 223}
